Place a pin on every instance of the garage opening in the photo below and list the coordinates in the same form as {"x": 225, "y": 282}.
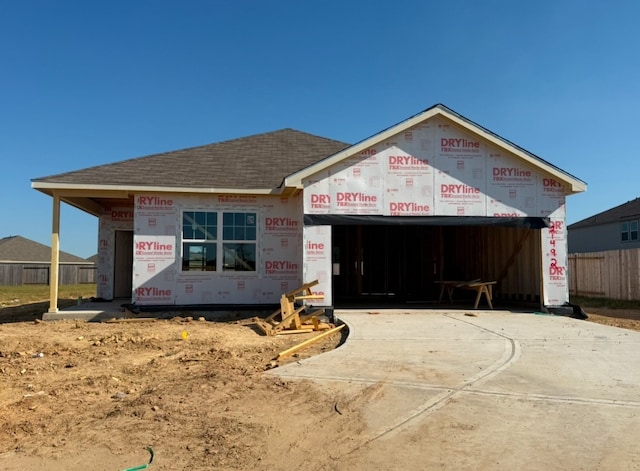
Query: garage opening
{"x": 378, "y": 262}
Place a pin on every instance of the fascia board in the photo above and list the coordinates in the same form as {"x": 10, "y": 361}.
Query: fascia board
{"x": 45, "y": 262}
{"x": 81, "y": 191}
{"x": 98, "y": 191}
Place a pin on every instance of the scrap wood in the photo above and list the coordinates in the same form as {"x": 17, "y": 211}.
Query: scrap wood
{"x": 295, "y": 331}
{"x": 131, "y": 319}
{"x": 308, "y": 342}
{"x": 292, "y": 318}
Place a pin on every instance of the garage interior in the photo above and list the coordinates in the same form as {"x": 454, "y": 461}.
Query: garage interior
{"x": 399, "y": 264}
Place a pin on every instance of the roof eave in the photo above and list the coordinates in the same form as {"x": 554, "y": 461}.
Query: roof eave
{"x": 97, "y": 191}
{"x": 39, "y": 262}
{"x": 84, "y": 197}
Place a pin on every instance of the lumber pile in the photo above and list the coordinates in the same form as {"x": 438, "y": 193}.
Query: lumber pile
{"x": 293, "y": 317}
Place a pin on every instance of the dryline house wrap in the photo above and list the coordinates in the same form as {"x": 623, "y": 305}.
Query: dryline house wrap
{"x": 243, "y": 221}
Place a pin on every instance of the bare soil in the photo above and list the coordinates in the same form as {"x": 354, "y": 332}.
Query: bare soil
{"x": 624, "y": 318}
{"x": 93, "y": 396}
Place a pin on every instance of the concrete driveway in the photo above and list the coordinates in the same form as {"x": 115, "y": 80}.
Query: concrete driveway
{"x": 484, "y": 390}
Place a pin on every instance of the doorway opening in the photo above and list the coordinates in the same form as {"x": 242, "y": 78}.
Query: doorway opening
{"x": 123, "y": 265}
{"x": 390, "y": 263}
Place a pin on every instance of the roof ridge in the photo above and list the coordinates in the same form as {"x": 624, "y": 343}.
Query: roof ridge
{"x": 616, "y": 213}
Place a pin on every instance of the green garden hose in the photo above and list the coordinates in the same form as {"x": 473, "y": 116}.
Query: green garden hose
{"x": 143, "y": 466}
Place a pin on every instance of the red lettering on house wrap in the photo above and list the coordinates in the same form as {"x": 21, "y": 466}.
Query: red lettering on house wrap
{"x": 355, "y": 199}
{"x": 556, "y": 272}
{"x": 314, "y": 245}
{"x": 154, "y": 201}
{"x": 153, "y": 246}
{"x": 275, "y": 267}
{"x": 152, "y": 292}
{"x": 511, "y": 174}
{"x": 556, "y": 226}
{"x": 398, "y": 208}
{"x": 121, "y": 215}
{"x": 399, "y": 162}
{"x": 278, "y": 223}
{"x": 458, "y": 189}
{"x": 449, "y": 144}
{"x": 551, "y": 185}
{"x": 320, "y": 200}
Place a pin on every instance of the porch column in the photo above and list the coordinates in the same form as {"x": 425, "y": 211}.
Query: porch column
{"x": 55, "y": 255}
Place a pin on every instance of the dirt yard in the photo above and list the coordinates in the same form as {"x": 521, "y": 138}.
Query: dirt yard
{"x": 93, "y": 396}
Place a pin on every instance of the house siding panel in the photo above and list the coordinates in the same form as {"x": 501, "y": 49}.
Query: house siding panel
{"x": 157, "y": 274}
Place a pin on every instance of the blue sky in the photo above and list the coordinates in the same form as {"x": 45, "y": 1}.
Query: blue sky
{"x": 89, "y": 83}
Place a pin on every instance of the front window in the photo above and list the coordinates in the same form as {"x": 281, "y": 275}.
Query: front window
{"x": 199, "y": 233}
{"x": 202, "y": 234}
{"x": 239, "y": 241}
{"x": 199, "y": 257}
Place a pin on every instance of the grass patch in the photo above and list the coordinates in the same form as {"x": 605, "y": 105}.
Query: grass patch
{"x": 28, "y": 294}
{"x": 30, "y": 302}
{"x": 606, "y": 303}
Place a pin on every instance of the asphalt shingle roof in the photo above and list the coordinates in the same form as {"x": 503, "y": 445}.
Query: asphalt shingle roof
{"x": 255, "y": 162}
{"x": 20, "y": 249}
{"x": 623, "y": 212}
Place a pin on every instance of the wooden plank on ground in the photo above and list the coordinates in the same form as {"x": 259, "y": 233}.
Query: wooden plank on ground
{"x": 308, "y": 342}
{"x": 133, "y": 319}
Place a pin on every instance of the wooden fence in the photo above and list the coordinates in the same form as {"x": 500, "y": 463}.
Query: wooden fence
{"x": 614, "y": 274}
{"x": 17, "y": 274}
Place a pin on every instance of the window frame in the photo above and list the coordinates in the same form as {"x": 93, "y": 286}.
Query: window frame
{"x": 235, "y": 230}
{"x": 629, "y": 231}
{"x": 633, "y": 233}
{"x": 242, "y": 231}
{"x": 210, "y": 239}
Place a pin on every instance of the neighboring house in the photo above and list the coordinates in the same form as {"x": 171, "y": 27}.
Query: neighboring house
{"x": 93, "y": 259}
{"x": 23, "y": 262}
{"x": 432, "y": 198}
{"x": 613, "y": 229}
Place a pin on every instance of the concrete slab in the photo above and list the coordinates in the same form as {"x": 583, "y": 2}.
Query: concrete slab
{"x": 484, "y": 390}
{"x": 122, "y": 308}
{"x": 89, "y": 311}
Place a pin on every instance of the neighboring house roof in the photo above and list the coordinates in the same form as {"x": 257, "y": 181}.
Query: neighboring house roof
{"x": 573, "y": 184}
{"x": 623, "y": 212}
{"x": 17, "y": 249}
{"x": 258, "y": 162}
